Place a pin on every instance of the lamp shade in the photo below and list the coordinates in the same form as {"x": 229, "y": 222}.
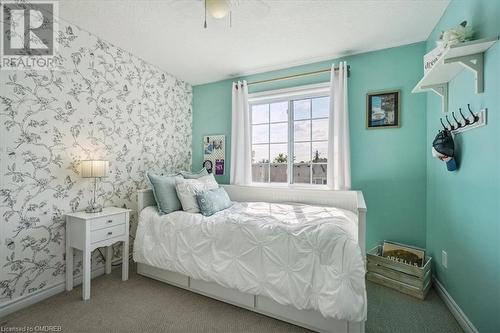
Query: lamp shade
{"x": 94, "y": 168}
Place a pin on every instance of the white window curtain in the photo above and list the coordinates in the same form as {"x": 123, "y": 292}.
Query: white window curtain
{"x": 339, "y": 155}
{"x": 241, "y": 150}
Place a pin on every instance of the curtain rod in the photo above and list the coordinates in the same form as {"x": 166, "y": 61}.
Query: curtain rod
{"x": 321, "y": 71}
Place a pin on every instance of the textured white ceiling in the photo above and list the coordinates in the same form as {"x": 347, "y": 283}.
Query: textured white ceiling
{"x": 265, "y": 35}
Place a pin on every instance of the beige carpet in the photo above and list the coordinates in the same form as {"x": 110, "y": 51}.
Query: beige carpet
{"x": 145, "y": 305}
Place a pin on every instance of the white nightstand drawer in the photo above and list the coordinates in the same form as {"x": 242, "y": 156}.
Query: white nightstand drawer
{"x": 107, "y": 233}
{"x": 107, "y": 221}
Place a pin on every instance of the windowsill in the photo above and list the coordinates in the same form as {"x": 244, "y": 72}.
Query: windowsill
{"x": 292, "y": 186}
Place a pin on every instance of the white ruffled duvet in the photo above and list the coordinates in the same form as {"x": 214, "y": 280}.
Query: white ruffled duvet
{"x": 300, "y": 255}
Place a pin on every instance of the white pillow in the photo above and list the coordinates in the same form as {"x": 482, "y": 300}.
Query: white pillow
{"x": 188, "y": 188}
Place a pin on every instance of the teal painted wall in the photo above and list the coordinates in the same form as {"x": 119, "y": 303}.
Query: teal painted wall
{"x": 387, "y": 164}
{"x": 463, "y": 215}
{"x": 410, "y": 195}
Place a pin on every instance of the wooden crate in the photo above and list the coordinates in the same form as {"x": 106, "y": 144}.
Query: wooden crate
{"x": 411, "y": 280}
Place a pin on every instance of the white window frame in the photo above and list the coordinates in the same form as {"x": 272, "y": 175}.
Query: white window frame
{"x": 289, "y": 94}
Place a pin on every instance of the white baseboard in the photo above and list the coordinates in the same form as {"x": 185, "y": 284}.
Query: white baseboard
{"x": 27, "y": 300}
{"x": 455, "y": 310}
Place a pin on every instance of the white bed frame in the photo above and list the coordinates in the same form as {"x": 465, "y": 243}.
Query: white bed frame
{"x": 350, "y": 200}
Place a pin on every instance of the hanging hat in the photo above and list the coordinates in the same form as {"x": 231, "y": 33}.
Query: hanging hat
{"x": 443, "y": 148}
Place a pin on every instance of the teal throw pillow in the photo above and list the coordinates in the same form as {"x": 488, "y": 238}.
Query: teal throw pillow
{"x": 213, "y": 201}
{"x": 165, "y": 193}
{"x": 194, "y": 175}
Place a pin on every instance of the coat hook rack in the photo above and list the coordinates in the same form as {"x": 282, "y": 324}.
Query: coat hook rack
{"x": 444, "y": 127}
{"x": 476, "y": 117}
{"x": 459, "y": 124}
{"x": 466, "y": 120}
{"x": 451, "y": 126}
{"x": 475, "y": 120}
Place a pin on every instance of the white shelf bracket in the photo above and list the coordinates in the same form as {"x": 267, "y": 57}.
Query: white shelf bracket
{"x": 474, "y": 63}
{"x": 442, "y": 90}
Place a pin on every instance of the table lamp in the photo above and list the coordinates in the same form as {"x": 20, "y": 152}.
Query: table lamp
{"x": 94, "y": 169}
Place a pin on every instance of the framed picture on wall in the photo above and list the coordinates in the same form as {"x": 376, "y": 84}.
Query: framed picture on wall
{"x": 383, "y": 109}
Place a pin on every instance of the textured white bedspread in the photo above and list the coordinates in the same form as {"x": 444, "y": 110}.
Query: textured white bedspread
{"x": 306, "y": 256}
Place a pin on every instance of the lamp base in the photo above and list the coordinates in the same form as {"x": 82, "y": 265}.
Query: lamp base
{"x": 93, "y": 209}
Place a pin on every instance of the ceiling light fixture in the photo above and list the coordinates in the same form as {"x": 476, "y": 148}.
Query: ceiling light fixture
{"x": 218, "y": 9}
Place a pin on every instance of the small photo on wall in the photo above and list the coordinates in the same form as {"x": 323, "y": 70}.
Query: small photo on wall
{"x": 218, "y": 144}
{"x": 383, "y": 109}
{"x": 208, "y": 146}
{"x": 219, "y": 167}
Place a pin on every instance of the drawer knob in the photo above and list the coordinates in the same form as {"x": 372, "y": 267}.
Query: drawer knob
{"x": 110, "y": 232}
{"x": 110, "y": 221}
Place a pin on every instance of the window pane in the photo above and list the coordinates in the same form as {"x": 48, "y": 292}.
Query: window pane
{"x": 302, "y": 109}
{"x": 320, "y": 107}
{"x": 279, "y": 112}
{"x": 302, "y": 173}
{"x": 271, "y": 133}
{"x": 278, "y": 153}
{"x": 302, "y": 152}
{"x": 319, "y": 174}
{"x": 260, "y": 133}
{"x": 302, "y": 130}
{"x": 279, "y": 173}
{"x": 279, "y": 132}
{"x": 320, "y": 129}
{"x": 260, "y": 172}
{"x": 260, "y": 114}
{"x": 260, "y": 153}
{"x": 319, "y": 152}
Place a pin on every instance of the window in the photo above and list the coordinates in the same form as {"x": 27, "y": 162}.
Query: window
{"x": 284, "y": 126}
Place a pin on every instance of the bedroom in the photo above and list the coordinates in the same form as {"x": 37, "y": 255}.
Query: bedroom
{"x": 120, "y": 104}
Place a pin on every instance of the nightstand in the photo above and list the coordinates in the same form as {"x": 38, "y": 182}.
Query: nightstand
{"x": 88, "y": 231}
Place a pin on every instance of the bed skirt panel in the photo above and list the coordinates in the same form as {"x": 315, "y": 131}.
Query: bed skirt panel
{"x": 306, "y": 318}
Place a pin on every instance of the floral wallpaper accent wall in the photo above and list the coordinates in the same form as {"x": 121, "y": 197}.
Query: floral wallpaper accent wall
{"x": 104, "y": 104}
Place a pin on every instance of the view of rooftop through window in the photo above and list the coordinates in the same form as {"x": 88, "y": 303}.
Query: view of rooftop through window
{"x": 297, "y": 128}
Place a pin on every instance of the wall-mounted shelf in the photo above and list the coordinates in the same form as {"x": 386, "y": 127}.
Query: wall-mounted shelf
{"x": 453, "y": 60}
